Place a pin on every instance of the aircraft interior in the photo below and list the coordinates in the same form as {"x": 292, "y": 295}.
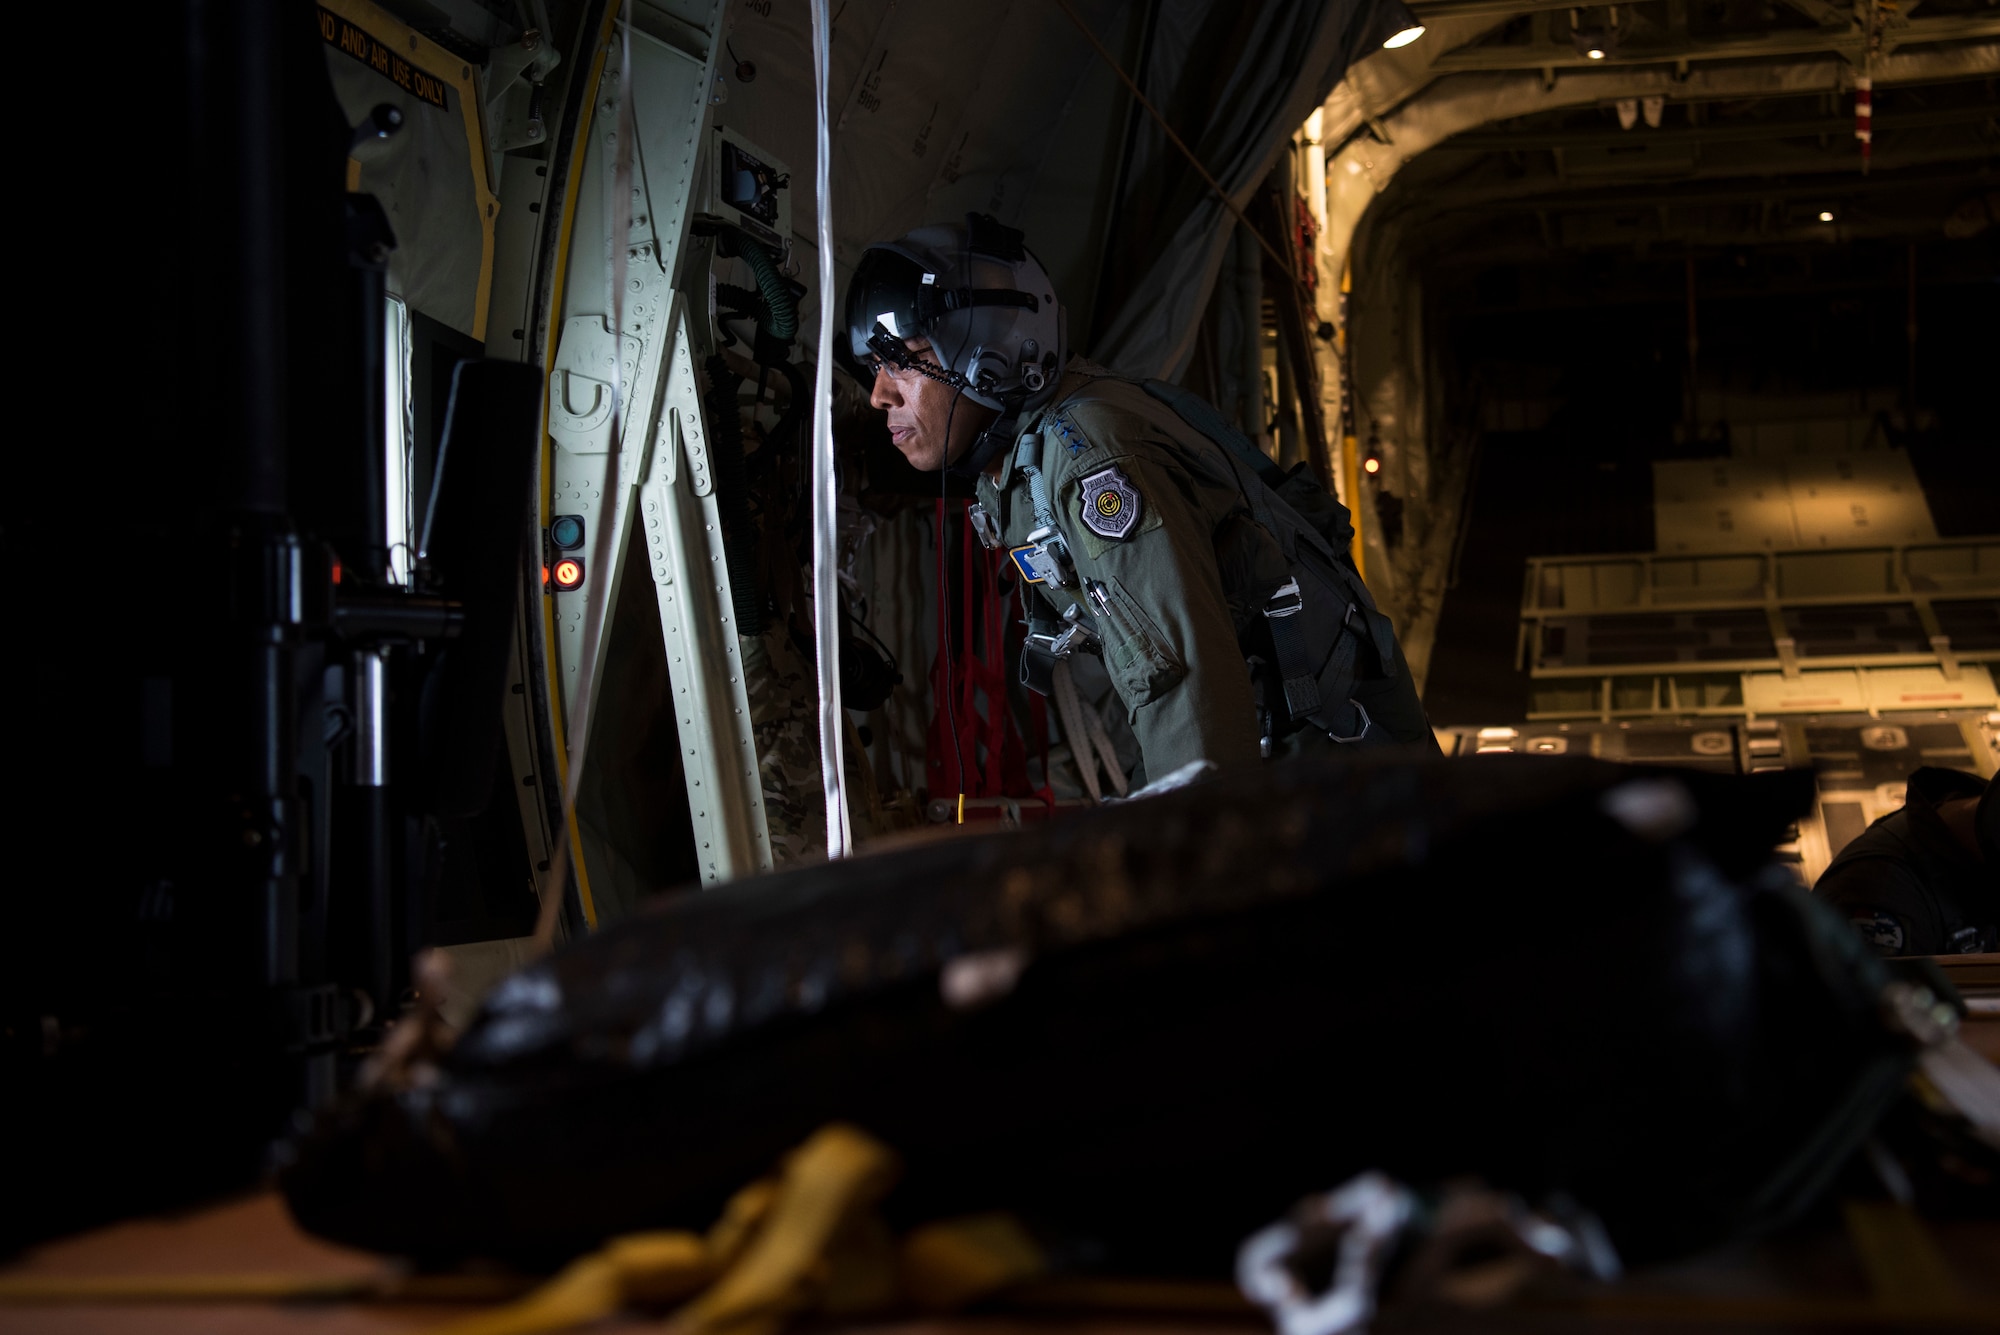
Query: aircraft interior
{"x": 551, "y": 811}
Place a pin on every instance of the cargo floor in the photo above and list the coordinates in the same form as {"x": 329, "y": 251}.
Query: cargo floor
{"x": 1810, "y": 1282}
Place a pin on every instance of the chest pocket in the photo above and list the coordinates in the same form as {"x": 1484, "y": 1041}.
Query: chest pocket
{"x": 1142, "y": 665}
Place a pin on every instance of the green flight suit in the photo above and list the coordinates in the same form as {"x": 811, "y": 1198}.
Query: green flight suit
{"x": 1185, "y": 585}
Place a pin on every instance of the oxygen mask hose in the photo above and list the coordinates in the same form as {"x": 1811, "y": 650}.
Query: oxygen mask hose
{"x": 777, "y": 327}
{"x": 782, "y": 319}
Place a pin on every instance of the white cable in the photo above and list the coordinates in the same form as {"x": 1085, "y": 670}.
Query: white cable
{"x": 826, "y": 534}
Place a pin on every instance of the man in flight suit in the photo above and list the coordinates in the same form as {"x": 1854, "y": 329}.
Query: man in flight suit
{"x": 1217, "y": 589}
{"x": 1925, "y": 879}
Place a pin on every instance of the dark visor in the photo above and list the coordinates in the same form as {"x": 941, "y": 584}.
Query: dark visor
{"x": 884, "y": 296}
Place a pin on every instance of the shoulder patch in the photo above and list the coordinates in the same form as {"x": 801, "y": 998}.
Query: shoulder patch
{"x": 1110, "y": 503}
{"x": 1884, "y": 931}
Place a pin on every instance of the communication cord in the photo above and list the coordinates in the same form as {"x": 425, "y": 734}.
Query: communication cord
{"x": 825, "y": 484}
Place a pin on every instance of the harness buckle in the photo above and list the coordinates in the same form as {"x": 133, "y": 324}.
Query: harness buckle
{"x": 1043, "y": 648}
{"x": 1074, "y": 635}
{"x": 1360, "y": 732}
{"x": 1287, "y": 601}
{"x": 983, "y": 525}
{"x": 1045, "y": 559}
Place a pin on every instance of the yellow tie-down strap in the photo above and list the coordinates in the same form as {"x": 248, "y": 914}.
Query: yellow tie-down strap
{"x": 806, "y": 1240}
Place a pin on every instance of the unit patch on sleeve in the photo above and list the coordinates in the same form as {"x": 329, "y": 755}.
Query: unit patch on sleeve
{"x": 1884, "y": 931}
{"x": 1110, "y": 503}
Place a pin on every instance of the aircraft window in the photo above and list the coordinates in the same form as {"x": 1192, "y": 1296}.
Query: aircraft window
{"x": 397, "y": 437}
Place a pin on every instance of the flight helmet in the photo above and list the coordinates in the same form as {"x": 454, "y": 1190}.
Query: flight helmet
{"x": 982, "y": 299}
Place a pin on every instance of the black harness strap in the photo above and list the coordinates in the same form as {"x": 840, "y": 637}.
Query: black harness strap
{"x": 1304, "y": 699}
{"x": 1314, "y": 693}
{"x": 1301, "y": 677}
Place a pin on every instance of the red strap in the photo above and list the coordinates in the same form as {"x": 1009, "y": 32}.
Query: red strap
{"x": 943, "y": 747}
{"x": 972, "y": 730}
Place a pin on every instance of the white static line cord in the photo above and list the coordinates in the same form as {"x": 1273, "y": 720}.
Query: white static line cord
{"x": 826, "y": 533}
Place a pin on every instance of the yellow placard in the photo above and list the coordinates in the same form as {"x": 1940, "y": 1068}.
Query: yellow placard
{"x": 371, "y": 51}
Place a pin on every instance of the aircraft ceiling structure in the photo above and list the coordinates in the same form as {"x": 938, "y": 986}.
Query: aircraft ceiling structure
{"x": 1491, "y": 141}
{"x": 1477, "y": 68}
{"x": 1004, "y": 107}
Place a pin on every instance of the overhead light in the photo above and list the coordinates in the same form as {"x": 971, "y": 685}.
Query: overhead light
{"x": 1404, "y": 38}
{"x": 1599, "y": 39}
{"x": 1826, "y": 215}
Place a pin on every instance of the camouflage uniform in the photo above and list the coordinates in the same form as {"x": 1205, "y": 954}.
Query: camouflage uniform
{"x": 1153, "y": 516}
{"x": 784, "y": 720}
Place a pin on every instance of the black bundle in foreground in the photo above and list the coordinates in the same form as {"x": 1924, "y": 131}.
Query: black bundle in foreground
{"x": 1157, "y": 1026}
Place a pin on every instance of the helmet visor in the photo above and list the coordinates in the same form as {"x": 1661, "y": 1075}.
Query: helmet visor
{"x": 883, "y": 298}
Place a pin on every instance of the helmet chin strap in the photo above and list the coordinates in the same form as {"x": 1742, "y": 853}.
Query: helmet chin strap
{"x": 988, "y": 444}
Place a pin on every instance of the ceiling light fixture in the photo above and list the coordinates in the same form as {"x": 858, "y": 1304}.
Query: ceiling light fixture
{"x": 1404, "y": 38}
{"x": 1595, "y": 34}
